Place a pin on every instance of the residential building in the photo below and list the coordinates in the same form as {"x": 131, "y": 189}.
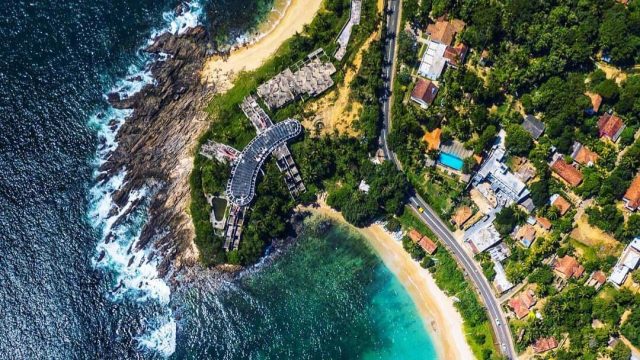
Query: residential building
{"x": 521, "y": 303}
{"x": 568, "y": 267}
{"x": 533, "y": 126}
{"x": 443, "y": 31}
{"x": 544, "y": 223}
{"x": 483, "y": 238}
{"x": 610, "y": 126}
{"x": 566, "y": 172}
{"x": 440, "y": 51}
{"x": 627, "y": 262}
{"x": 462, "y": 215}
{"x": 560, "y": 203}
{"x": 506, "y": 186}
{"x": 545, "y": 344}
{"x": 526, "y": 234}
{"x": 596, "y": 101}
{"x": 632, "y": 196}
{"x": 597, "y": 279}
{"x": 425, "y": 243}
{"x": 583, "y": 156}
{"x": 424, "y": 92}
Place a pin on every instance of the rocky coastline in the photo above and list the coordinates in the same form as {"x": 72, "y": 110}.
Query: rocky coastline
{"x": 156, "y": 143}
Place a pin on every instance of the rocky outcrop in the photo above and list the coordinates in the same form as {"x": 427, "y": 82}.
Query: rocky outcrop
{"x": 156, "y": 143}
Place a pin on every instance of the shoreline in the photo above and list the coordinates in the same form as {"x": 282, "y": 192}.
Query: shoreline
{"x": 439, "y": 315}
{"x": 221, "y": 70}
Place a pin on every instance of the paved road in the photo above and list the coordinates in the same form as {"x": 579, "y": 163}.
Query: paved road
{"x": 428, "y": 216}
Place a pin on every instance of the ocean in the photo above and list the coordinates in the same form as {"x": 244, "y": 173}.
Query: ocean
{"x": 66, "y": 292}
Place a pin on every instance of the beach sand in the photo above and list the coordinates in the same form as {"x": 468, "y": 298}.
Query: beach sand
{"x": 222, "y": 71}
{"x": 440, "y": 317}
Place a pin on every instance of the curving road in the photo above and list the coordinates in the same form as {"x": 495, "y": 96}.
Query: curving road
{"x": 428, "y": 216}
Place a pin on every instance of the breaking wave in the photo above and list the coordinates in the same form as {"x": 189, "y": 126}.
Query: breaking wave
{"x": 134, "y": 268}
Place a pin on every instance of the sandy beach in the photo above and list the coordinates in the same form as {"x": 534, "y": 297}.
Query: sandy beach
{"x": 438, "y": 313}
{"x": 298, "y": 14}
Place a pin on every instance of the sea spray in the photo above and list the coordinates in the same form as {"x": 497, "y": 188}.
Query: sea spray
{"x": 118, "y": 251}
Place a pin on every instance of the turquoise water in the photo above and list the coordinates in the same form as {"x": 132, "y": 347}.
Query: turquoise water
{"x": 328, "y": 297}
{"x": 451, "y": 161}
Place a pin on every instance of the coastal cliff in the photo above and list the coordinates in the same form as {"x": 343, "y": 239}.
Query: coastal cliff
{"x": 156, "y": 142}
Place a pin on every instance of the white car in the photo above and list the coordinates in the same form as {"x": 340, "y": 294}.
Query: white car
{"x": 498, "y": 322}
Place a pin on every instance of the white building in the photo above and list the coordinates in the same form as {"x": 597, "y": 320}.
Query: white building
{"x": 627, "y": 262}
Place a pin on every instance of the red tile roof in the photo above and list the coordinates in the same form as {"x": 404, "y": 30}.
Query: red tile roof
{"x": 522, "y": 303}
{"x": 544, "y": 222}
{"x": 545, "y": 344}
{"x": 455, "y": 54}
{"x": 568, "y": 267}
{"x": 610, "y": 126}
{"x": 562, "y": 204}
{"x": 567, "y": 172}
{"x": 425, "y": 90}
{"x": 526, "y": 232}
{"x": 428, "y": 246}
{"x": 632, "y": 196}
{"x": 586, "y": 156}
{"x": 445, "y": 31}
{"x": 414, "y": 235}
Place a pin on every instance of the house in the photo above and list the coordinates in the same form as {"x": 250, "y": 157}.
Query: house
{"x": 440, "y": 51}
{"x": 596, "y": 101}
{"x": 568, "y": 267}
{"x": 560, "y": 203}
{"x": 424, "y": 92}
{"x": 364, "y": 187}
{"x": 632, "y": 196}
{"x": 414, "y": 235}
{"x": 428, "y": 245}
{"x": 627, "y": 262}
{"x": 544, "y": 223}
{"x": 455, "y": 55}
{"x": 583, "y": 156}
{"x": 610, "y": 126}
{"x": 566, "y": 172}
{"x": 507, "y": 187}
{"x": 545, "y": 344}
{"x": 533, "y": 126}
{"x": 462, "y": 215}
{"x": 443, "y": 31}
{"x": 483, "y": 238}
{"x": 597, "y": 279}
{"x": 526, "y": 234}
{"x": 425, "y": 243}
{"x": 521, "y": 303}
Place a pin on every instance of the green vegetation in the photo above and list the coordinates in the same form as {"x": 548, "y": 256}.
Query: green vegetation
{"x": 451, "y": 280}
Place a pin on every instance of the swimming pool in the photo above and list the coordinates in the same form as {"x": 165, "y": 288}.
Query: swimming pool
{"x": 451, "y": 161}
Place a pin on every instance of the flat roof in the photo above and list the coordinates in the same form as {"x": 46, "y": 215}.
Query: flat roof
{"x": 241, "y": 186}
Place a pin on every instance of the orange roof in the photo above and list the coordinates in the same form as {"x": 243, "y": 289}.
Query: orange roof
{"x": 427, "y": 245}
{"x": 433, "y": 139}
{"x": 567, "y": 172}
{"x": 569, "y": 267}
{"x": 596, "y": 100}
{"x": 526, "y": 232}
{"x": 562, "y": 204}
{"x": 462, "y": 215}
{"x": 632, "y": 196}
{"x": 545, "y": 344}
{"x": 414, "y": 235}
{"x": 544, "y": 222}
{"x": 610, "y": 126}
{"x": 445, "y": 31}
{"x": 599, "y": 276}
{"x": 585, "y": 156}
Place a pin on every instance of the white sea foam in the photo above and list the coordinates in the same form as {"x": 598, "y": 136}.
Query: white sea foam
{"x": 162, "y": 340}
{"x": 134, "y": 269}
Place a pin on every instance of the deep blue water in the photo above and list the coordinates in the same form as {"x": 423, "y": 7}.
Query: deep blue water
{"x": 57, "y": 60}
